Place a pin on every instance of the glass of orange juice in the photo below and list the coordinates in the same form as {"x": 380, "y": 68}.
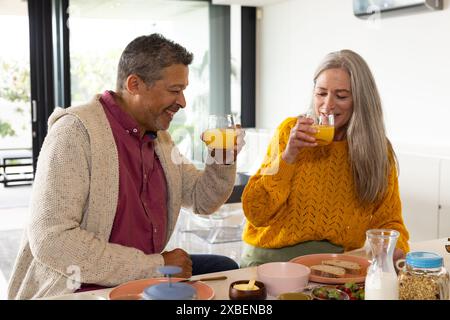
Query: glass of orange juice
{"x": 221, "y": 132}
{"x": 324, "y": 124}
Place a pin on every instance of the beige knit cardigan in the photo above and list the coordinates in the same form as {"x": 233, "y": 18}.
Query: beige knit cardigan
{"x": 74, "y": 202}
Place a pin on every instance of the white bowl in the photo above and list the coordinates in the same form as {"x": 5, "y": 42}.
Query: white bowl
{"x": 281, "y": 277}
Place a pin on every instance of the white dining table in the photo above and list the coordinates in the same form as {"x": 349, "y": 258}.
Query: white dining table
{"x": 221, "y": 287}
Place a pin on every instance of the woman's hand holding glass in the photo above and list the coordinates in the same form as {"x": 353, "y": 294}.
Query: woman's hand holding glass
{"x": 309, "y": 131}
{"x": 301, "y": 136}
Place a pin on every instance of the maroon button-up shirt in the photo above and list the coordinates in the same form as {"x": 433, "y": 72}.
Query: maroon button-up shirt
{"x": 141, "y": 215}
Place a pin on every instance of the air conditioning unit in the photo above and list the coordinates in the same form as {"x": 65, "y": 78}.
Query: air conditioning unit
{"x": 246, "y": 3}
{"x": 367, "y": 8}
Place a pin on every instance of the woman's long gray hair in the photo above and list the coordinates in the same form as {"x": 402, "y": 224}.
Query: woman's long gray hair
{"x": 371, "y": 153}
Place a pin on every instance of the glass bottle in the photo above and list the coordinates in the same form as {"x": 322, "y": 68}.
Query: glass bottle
{"x": 423, "y": 277}
{"x": 381, "y": 280}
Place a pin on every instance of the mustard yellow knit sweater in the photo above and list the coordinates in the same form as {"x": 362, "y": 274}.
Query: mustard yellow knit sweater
{"x": 314, "y": 199}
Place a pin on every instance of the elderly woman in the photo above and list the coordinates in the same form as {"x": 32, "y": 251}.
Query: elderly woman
{"x": 313, "y": 198}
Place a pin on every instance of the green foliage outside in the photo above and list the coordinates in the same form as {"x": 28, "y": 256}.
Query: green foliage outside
{"x": 14, "y": 87}
{"x": 91, "y": 74}
{"x": 15, "y": 82}
{"x": 6, "y": 129}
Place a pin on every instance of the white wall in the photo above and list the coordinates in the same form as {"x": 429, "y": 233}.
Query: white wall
{"x": 419, "y": 192}
{"x": 444, "y": 199}
{"x": 409, "y": 56}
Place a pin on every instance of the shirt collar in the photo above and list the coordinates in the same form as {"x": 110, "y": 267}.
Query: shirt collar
{"x": 124, "y": 119}
{"x": 152, "y": 134}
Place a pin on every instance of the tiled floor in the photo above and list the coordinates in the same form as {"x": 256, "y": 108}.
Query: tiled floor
{"x": 13, "y": 216}
{"x": 195, "y": 234}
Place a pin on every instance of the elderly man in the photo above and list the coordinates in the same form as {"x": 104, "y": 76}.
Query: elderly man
{"x": 108, "y": 191}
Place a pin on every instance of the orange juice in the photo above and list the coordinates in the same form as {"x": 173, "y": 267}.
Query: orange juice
{"x": 324, "y": 135}
{"x": 220, "y": 138}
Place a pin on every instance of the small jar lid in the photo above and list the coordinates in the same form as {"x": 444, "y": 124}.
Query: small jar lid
{"x": 421, "y": 259}
{"x": 169, "y": 270}
{"x": 170, "y": 291}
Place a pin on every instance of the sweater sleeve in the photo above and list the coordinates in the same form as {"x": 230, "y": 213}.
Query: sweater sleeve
{"x": 268, "y": 190}
{"x": 206, "y": 190}
{"x": 388, "y": 214}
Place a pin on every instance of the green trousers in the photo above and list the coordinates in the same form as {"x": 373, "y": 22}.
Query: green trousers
{"x": 254, "y": 256}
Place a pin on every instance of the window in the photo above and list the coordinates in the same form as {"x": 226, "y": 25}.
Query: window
{"x": 235, "y": 34}
{"x": 100, "y": 30}
{"x": 15, "y": 116}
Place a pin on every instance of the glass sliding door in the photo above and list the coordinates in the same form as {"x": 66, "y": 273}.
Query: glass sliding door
{"x": 41, "y": 70}
{"x": 15, "y": 114}
{"x": 15, "y": 132}
{"x": 15, "y": 117}
{"x": 235, "y": 50}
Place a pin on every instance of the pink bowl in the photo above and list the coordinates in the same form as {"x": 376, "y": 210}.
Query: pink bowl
{"x": 281, "y": 277}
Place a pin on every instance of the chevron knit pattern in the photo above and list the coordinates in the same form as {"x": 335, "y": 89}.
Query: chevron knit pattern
{"x": 314, "y": 199}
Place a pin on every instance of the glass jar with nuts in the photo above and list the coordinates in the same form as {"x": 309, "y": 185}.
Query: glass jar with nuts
{"x": 423, "y": 277}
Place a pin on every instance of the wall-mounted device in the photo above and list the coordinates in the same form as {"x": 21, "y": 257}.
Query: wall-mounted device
{"x": 366, "y": 8}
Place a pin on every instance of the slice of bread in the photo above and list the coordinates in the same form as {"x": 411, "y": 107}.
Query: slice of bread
{"x": 324, "y": 270}
{"x": 349, "y": 266}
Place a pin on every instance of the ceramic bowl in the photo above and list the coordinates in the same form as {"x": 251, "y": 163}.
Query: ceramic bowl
{"x": 294, "y": 296}
{"x": 281, "y": 277}
{"x": 237, "y": 294}
{"x": 129, "y": 297}
{"x": 328, "y": 293}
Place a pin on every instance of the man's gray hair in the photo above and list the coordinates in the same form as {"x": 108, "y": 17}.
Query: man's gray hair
{"x": 147, "y": 56}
